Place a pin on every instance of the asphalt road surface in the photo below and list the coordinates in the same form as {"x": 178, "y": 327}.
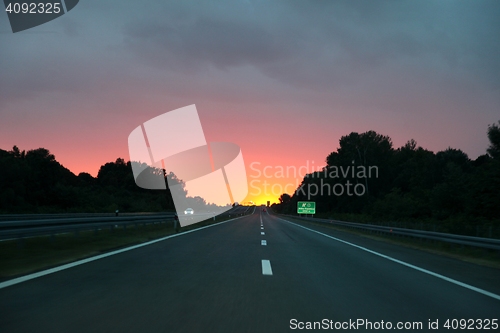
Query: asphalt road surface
{"x": 256, "y": 273}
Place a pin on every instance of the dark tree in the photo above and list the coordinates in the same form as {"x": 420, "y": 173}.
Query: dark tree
{"x": 494, "y": 137}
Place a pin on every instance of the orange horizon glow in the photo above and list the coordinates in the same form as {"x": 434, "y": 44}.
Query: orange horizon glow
{"x": 266, "y": 181}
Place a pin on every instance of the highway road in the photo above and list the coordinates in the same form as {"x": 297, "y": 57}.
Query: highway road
{"x": 257, "y": 273}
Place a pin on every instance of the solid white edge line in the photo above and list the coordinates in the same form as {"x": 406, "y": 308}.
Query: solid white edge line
{"x": 423, "y": 270}
{"x": 266, "y": 267}
{"x": 104, "y": 255}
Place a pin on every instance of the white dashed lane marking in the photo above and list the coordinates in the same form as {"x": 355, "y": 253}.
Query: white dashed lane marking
{"x": 266, "y": 267}
{"x": 266, "y": 264}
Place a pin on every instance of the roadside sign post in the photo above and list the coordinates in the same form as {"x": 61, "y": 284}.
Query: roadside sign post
{"x": 306, "y": 207}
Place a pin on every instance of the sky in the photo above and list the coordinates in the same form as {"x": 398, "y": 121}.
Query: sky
{"x": 282, "y": 79}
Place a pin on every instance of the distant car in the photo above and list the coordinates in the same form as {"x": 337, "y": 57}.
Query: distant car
{"x": 264, "y": 210}
{"x": 189, "y": 211}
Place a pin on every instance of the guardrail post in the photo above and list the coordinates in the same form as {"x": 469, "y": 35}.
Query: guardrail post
{"x": 176, "y": 223}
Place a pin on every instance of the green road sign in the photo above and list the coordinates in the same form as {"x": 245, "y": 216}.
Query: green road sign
{"x": 306, "y": 207}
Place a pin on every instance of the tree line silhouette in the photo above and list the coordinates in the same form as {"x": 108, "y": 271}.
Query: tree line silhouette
{"x": 34, "y": 182}
{"x": 444, "y": 191}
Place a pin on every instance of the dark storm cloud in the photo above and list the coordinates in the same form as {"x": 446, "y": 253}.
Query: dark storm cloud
{"x": 235, "y": 39}
{"x": 211, "y": 41}
{"x": 315, "y": 45}
{"x": 328, "y": 43}
{"x": 247, "y": 49}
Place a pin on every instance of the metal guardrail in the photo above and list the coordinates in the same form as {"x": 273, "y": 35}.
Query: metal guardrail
{"x": 29, "y": 228}
{"x": 18, "y": 217}
{"x": 17, "y": 226}
{"x": 486, "y": 243}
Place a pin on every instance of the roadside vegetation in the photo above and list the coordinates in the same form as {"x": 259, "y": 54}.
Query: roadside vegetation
{"x": 410, "y": 187}
{"x": 34, "y": 182}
